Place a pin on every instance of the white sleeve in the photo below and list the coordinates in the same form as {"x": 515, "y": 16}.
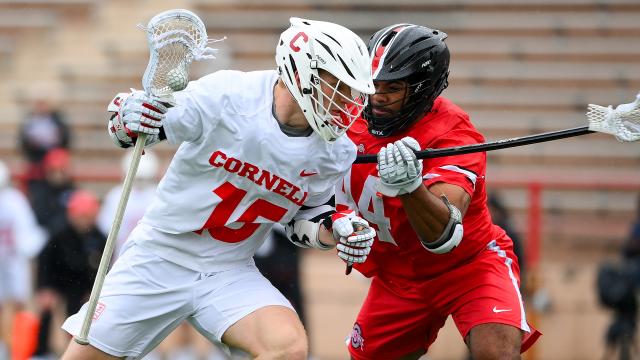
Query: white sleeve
{"x": 30, "y": 238}
{"x": 199, "y": 108}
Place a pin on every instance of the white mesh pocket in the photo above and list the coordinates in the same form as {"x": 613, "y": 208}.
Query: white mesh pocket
{"x": 623, "y": 122}
{"x": 175, "y": 38}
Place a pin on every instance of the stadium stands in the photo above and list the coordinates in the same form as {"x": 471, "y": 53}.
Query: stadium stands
{"x": 518, "y": 67}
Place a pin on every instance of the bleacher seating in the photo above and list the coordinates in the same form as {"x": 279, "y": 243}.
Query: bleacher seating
{"x": 518, "y": 67}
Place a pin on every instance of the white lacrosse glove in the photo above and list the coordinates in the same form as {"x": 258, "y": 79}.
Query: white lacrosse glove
{"x": 354, "y": 236}
{"x": 399, "y": 169}
{"x": 134, "y": 113}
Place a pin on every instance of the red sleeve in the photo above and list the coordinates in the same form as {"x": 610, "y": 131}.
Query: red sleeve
{"x": 460, "y": 170}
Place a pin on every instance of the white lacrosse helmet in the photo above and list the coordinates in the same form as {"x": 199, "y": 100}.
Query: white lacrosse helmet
{"x": 147, "y": 168}
{"x": 308, "y": 46}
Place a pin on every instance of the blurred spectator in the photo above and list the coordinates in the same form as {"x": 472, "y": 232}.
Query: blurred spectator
{"x": 43, "y": 129}
{"x": 68, "y": 264}
{"x": 617, "y": 285}
{"x": 142, "y": 192}
{"x": 49, "y": 196}
{"x": 501, "y": 217}
{"x": 20, "y": 239}
{"x": 279, "y": 261}
{"x": 631, "y": 249}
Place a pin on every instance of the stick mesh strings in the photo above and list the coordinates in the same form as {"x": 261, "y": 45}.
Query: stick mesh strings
{"x": 623, "y": 122}
{"x": 175, "y": 38}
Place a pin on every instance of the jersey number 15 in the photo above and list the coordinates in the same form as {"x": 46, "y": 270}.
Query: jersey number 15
{"x": 231, "y": 197}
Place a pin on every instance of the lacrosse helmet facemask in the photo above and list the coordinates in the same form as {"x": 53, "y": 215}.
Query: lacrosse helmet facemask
{"x": 306, "y": 48}
{"x": 416, "y": 55}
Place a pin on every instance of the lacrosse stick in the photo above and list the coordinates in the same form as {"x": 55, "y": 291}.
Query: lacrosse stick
{"x": 623, "y": 122}
{"x": 175, "y": 38}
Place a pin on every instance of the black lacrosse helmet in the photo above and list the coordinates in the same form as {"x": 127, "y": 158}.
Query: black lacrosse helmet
{"x": 413, "y": 53}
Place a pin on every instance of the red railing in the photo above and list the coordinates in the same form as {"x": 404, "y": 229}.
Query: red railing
{"x": 534, "y": 188}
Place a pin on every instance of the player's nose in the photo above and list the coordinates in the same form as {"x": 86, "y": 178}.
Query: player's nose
{"x": 379, "y": 99}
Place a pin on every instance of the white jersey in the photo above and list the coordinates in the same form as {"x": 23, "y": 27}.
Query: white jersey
{"x": 235, "y": 173}
{"x": 139, "y": 200}
{"x": 20, "y": 239}
{"x": 20, "y": 234}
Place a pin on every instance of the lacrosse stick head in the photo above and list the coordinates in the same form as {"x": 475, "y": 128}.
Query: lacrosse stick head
{"x": 623, "y": 122}
{"x": 175, "y": 38}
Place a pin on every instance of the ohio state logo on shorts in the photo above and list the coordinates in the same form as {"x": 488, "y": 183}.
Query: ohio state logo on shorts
{"x": 357, "y": 341}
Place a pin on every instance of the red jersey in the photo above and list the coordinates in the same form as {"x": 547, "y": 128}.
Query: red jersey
{"x": 397, "y": 250}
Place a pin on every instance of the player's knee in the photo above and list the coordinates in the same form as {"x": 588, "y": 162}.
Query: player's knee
{"x": 290, "y": 343}
{"x": 297, "y": 350}
{"x": 495, "y": 341}
{"x": 495, "y": 350}
{"x": 293, "y": 350}
{"x": 500, "y": 351}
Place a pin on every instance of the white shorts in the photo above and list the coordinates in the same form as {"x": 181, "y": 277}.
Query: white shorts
{"x": 145, "y": 297}
{"x": 15, "y": 279}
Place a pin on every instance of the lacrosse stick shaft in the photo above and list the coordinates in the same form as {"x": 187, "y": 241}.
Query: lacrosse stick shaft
{"x": 82, "y": 338}
{"x": 489, "y": 146}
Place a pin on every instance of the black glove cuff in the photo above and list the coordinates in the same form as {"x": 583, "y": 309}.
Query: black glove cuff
{"x": 328, "y": 223}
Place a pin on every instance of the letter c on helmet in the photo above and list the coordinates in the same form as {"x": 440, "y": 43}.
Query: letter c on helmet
{"x": 292, "y": 44}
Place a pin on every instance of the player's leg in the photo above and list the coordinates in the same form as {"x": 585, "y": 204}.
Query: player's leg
{"x": 487, "y": 304}
{"x": 390, "y": 326}
{"x": 174, "y": 343}
{"x": 241, "y": 308}
{"x": 143, "y": 299}
{"x": 77, "y": 351}
{"x": 258, "y": 335}
{"x": 494, "y": 341}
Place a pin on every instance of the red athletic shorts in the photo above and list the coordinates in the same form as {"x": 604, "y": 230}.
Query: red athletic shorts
{"x": 399, "y": 318}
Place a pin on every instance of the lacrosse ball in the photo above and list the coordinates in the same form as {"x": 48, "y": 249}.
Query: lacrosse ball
{"x": 177, "y": 79}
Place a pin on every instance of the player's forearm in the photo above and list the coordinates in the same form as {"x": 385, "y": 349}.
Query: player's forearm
{"x": 427, "y": 214}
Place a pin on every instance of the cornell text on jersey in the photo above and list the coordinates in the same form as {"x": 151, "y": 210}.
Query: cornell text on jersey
{"x": 260, "y": 177}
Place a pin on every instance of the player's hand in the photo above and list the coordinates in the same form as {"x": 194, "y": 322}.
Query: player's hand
{"x": 135, "y": 113}
{"x": 353, "y": 235}
{"x": 399, "y": 169}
